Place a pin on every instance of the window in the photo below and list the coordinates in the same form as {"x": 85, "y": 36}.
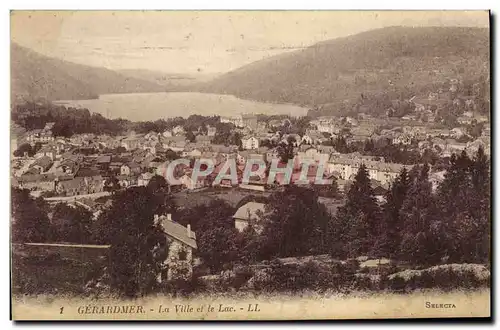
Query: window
{"x": 182, "y": 254}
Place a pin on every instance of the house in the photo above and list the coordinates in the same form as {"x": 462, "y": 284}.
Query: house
{"x": 175, "y": 143}
{"x": 402, "y": 138}
{"x": 103, "y": 161}
{"x": 347, "y": 168}
{"x": 39, "y": 135}
{"x": 44, "y": 182}
{"x": 203, "y": 139}
{"x": 132, "y": 142}
{"x": 151, "y": 136}
{"x": 192, "y": 152}
{"x": 188, "y": 182}
{"x": 80, "y": 185}
{"x": 68, "y": 166}
{"x": 211, "y": 131}
{"x": 313, "y": 137}
{"x": 250, "y": 142}
{"x": 47, "y": 151}
{"x": 319, "y": 154}
{"x": 144, "y": 179}
{"x": 178, "y": 130}
{"x": 249, "y": 214}
{"x": 458, "y": 132}
{"x": 181, "y": 243}
{"x": 130, "y": 168}
{"x": 42, "y": 164}
{"x": 126, "y": 180}
{"x": 235, "y": 120}
{"x": 167, "y": 133}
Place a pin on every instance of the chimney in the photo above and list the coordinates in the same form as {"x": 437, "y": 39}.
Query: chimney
{"x": 169, "y": 217}
{"x": 189, "y": 230}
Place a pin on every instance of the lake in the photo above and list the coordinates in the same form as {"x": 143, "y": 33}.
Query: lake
{"x": 152, "y": 106}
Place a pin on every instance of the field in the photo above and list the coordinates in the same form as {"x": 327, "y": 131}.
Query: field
{"x": 271, "y": 307}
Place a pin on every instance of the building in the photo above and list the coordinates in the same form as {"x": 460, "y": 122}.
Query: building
{"x": 178, "y": 130}
{"x": 250, "y": 121}
{"x": 42, "y": 164}
{"x": 39, "y": 135}
{"x": 249, "y": 214}
{"x": 130, "y": 168}
{"x": 43, "y": 182}
{"x": 235, "y": 120}
{"x": 347, "y": 168}
{"x": 132, "y": 142}
{"x": 250, "y": 142}
{"x": 144, "y": 178}
{"x": 181, "y": 243}
{"x": 80, "y": 185}
{"x": 211, "y": 131}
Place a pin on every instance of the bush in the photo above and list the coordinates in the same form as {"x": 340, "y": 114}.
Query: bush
{"x": 444, "y": 277}
{"x": 309, "y": 276}
{"x": 184, "y": 287}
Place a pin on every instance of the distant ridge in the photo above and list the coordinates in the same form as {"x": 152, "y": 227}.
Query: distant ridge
{"x": 38, "y": 77}
{"x": 391, "y": 59}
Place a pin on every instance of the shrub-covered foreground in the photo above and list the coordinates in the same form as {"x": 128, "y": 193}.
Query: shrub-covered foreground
{"x": 346, "y": 276}
{"x": 319, "y": 274}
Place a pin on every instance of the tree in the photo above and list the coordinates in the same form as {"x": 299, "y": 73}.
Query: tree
{"x": 422, "y": 240}
{"x": 72, "y": 224}
{"x": 160, "y": 191}
{"x": 355, "y": 226}
{"x": 285, "y": 150}
{"x": 340, "y": 145}
{"x": 464, "y": 202}
{"x": 481, "y": 205}
{"x": 24, "y": 148}
{"x": 215, "y": 232}
{"x": 112, "y": 184}
{"x": 389, "y": 237}
{"x": 171, "y": 155}
{"x": 30, "y": 222}
{"x": 129, "y": 227}
{"x": 296, "y": 224}
{"x": 190, "y": 136}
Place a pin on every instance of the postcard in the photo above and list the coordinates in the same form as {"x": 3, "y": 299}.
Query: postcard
{"x": 250, "y": 165}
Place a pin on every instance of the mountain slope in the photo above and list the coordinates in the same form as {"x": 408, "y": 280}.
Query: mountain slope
{"x": 35, "y": 76}
{"x": 387, "y": 59}
{"x": 172, "y": 81}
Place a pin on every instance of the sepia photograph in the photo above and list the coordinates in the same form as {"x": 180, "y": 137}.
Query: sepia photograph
{"x": 250, "y": 165}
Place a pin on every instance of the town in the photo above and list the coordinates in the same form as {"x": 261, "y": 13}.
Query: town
{"x": 73, "y": 175}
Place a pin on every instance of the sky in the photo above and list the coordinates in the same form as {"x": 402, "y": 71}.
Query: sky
{"x": 205, "y": 42}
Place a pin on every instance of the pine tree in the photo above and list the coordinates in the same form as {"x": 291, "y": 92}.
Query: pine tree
{"x": 420, "y": 235}
{"x": 296, "y": 225}
{"x": 389, "y": 238}
{"x": 481, "y": 206}
{"x": 355, "y": 226}
{"x": 458, "y": 205}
